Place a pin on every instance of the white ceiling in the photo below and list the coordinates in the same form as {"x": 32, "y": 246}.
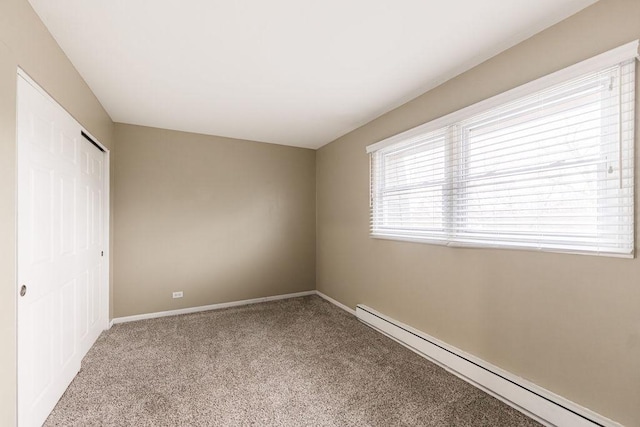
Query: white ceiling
{"x": 291, "y": 72}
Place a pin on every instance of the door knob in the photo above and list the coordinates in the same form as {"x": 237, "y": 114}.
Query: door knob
{"x": 23, "y": 290}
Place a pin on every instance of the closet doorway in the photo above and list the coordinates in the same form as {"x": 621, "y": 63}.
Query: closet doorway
{"x": 63, "y": 249}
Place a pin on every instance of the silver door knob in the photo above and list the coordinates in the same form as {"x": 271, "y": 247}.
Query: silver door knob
{"x": 23, "y": 290}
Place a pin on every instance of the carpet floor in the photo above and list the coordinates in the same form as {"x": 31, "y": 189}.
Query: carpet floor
{"x": 296, "y": 362}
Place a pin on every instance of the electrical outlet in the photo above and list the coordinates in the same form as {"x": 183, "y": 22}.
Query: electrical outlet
{"x": 177, "y": 294}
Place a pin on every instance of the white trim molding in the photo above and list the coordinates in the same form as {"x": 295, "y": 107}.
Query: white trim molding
{"x": 219, "y": 306}
{"x": 336, "y": 303}
{"x": 198, "y": 309}
{"x": 534, "y": 401}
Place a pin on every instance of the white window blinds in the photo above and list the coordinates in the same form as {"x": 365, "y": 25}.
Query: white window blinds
{"x": 552, "y": 170}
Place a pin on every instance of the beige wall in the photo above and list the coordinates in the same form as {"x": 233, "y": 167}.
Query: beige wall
{"x": 25, "y": 42}
{"x": 568, "y": 323}
{"x": 219, "y": 219}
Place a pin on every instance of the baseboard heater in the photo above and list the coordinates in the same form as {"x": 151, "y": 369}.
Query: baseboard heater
{"x": 538, "y": 403}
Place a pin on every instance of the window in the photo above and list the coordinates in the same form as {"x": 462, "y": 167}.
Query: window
{"x": 547, "y": 166}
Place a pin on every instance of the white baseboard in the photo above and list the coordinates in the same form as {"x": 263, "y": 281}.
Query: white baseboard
{"x": 530, "y": 399}
{"x": 207, "y": 307}
{"x": 336, "y": 303}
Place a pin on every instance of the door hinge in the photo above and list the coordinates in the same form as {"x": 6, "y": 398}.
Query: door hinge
{"x": 101, "y": 253}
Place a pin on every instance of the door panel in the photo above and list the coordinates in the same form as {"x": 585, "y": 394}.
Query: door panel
{"x": 60, "y": 224}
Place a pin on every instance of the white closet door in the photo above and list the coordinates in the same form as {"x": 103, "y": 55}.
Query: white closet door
{"x": 60, "y": 229}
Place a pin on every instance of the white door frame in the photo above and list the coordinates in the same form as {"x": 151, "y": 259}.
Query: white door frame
{"x": 106, "y": 274}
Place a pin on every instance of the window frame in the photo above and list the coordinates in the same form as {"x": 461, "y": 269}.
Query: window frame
{"x": 454, "y": 123}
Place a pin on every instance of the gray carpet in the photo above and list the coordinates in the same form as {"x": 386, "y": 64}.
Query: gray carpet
{"x": 297, "y": 362}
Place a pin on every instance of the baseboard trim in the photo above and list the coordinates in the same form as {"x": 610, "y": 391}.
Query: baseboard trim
{"x": 198, "y": 309}
{"x": 536, "y": 402}
{"x": 336, "y": 303}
